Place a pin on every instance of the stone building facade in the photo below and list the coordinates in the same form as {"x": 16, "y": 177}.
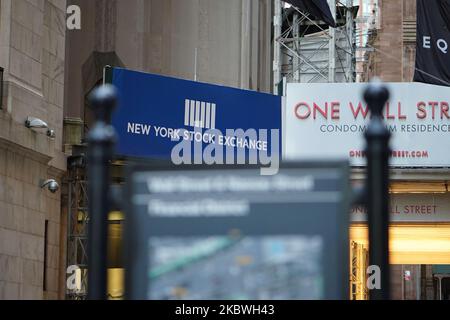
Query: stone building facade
{"x": 394, "y": 41}
{"x": 213, "y": 41}
{"x": 48, "y": 72}
{"x": 32, "y": 53}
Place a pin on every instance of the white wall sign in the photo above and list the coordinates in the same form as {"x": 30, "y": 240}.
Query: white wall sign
{"x": 328, "y": 120}
{"x": 412, "y": 208}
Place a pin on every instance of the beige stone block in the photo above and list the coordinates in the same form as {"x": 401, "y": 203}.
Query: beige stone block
{"x": 58, "y": 145}
{"x": 46, "y": 38}
{"x": 30, "y": 292}
{"x": 52, "y": 279}
{"x": 43, "y": 172}
{"x": 32, "y": 272}
{"x": 25, "y": 68}
{"x": 58, "y": 20}
{"x": 44, "y": 144}
{"x": 2, "y": 188}
{"x": 36, "y": 74}
{"x": 9, "y": 242}
{"x": 32, "y": 194}
{"x": 32, "y": 247}
{"x": 36, "y": 47}
{"x": 61, "y": 46}
{"x": 53, "y": 43}
{"x": 33, "y": 222}
{"x": 45, "y": 85}
{"x": 38, "y": 22}
{"x": 16, "y": 36}
{"x": 59, "y": 161}
{"x": 59, "y": 4}
{"x": 39, "y": 4}
{"x": 10, "y": 268}
{"x": 52, "y": 93}
{"x": 18, "y": 166}
{"x": 60, "y": 100}
{"x": 26, "y": 41}
{"x": 47, "y": 14}
{"x": 44, "y": 204}
{"x": 56, "y": 69}
{"x": 19, "y": 12}
{"x": 14, "y": 191}
{"x": 10, "y": 164}
{"x": 29, "y": 99}
{"x": 16, "y": 63}
{"x": 3, "y": 153}
{"x": 31, "y": 172}
{"x": 20, "y": 112}
{"x": 56, "y": 117}
{"x": 55, "y": 213}
{"x": 9, "y": 290}
{"x": 27, "y": 170}
{"x": 53, "y": 232}
{"x": 19, "y": 212}
{"x": 45, "y": 63}
{"x": 52, "y": 256}
{"x": 5, "y": 122}
{"x": 8, "y": 220}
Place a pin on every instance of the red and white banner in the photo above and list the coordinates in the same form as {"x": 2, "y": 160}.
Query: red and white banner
{"x": 324, "y": 120}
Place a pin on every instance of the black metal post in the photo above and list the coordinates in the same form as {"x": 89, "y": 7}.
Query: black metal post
{"x": 101, "y": 141}
{"x": 377, "y": 153}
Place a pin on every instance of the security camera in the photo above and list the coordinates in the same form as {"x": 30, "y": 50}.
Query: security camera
{"x": 51, "y": 184}
{"x": 51, "y": 133}
{"x": 35, "y": 123}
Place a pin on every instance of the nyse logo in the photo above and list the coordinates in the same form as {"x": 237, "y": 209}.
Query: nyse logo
{"x": 200, "y": 114}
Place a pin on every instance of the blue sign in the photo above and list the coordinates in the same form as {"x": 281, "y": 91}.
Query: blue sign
{"x": 156, "y": 112}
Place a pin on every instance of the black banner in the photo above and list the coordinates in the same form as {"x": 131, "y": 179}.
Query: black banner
{"x": 433, "y": 42}
{"x": 318, "y": 8}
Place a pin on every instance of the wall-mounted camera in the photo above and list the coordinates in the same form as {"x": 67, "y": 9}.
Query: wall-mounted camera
{"x": 36, "y": 123}
{"x": 51, "y": 185}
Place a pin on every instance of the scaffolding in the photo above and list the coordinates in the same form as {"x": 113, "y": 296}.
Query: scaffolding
{"x": 306, "y": 50}
{"x": 78, "y": 221}
{"x": 77, "y": 226}
{"x": 359, "y": 258}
